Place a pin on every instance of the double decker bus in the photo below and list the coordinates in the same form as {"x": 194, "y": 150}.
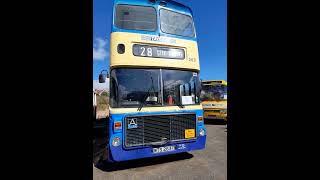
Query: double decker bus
{"x": 214, "y": 99}
{"x": 154, "y": 81}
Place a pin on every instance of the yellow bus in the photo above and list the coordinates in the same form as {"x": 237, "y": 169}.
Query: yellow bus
{"x": 154, "y": 81}
{"x": 214, "y": 99}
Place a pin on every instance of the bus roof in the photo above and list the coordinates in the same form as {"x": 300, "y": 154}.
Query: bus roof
{"x": 213, "y": 82}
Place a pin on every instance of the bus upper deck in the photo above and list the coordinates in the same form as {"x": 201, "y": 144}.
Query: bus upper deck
{"x": 153, "y": 34}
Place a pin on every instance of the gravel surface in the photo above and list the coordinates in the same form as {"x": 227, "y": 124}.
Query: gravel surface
{"x": 210, "y": 163}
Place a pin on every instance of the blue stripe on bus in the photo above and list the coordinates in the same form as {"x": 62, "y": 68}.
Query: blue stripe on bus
{"x": 170, "y": 5}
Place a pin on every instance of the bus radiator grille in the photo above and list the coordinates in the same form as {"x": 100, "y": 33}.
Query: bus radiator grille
{"x": 153, "y": 129}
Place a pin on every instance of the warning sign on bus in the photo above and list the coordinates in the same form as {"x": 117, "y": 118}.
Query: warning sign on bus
{"x": 189, "y": 133}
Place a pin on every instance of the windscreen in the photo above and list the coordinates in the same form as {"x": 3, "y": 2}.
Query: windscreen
{"x": 176, "y": 23}
{"x": 153, "y": 87}
{"x": 131, "y": 87}
{"x": 213, "y": 92}
{"x": 180, "y": 87}
{"x": 136, "y": 17}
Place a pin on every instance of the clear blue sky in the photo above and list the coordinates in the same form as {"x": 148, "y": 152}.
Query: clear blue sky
{"x": 210, "y": 18}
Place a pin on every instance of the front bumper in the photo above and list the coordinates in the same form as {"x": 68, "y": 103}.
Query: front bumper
{"x": 120, "y": 154}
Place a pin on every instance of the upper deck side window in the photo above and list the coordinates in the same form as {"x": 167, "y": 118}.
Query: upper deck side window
{"x": 136, "y": 17}
{"x": 176, "y": 23}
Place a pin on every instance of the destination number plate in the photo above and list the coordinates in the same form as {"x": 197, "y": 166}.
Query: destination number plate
{"x": 163, "y": 149}
{"x": 158, "y": 52}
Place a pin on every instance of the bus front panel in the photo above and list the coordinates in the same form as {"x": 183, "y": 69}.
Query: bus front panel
{"x": 154, "y": 133}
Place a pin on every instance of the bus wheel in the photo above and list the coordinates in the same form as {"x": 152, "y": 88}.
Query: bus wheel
{"x": 98, "y": 161}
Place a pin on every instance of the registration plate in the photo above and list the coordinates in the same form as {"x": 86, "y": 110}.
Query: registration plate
{"x": 163, "y": 149}
{"x": 158, "y": 52}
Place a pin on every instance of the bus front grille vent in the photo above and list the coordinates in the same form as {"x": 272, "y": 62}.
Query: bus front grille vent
{"x": 150, "y": 130}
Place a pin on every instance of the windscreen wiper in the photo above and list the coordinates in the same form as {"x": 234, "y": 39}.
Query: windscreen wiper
{"x": 180, "y": 105}
{"x": 144, "y": 100}
{"x": 146, "y": 96}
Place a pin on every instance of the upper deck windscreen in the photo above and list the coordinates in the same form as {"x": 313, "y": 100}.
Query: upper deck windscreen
{"x": 176, "y": 23}
{"x": 136, "y": 17}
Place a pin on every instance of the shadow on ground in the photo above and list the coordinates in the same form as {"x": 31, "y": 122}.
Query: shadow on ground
{"x": 108, "y": 167}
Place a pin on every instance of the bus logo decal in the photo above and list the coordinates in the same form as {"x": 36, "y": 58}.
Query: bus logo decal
{"x": 132, "y": 123}
{"x": 158, "y": 39}
{"x": 181, "y": 146}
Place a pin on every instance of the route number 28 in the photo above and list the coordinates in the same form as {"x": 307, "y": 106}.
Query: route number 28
{"x": 149, "y": 51}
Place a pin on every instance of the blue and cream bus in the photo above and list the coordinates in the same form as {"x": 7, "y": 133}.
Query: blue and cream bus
{"x": 154, "y": 106}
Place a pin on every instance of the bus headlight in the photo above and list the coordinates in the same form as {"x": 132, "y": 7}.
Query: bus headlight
{"x": 202, "y": 132}
{"x": 116, "y": 141}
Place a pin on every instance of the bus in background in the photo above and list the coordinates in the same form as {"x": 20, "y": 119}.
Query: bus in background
{"x": 214, "y": 99}
{"x": 154, "y": 106}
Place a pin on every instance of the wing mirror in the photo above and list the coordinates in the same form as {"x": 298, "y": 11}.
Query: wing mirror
{"x": 103, "y": 76}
